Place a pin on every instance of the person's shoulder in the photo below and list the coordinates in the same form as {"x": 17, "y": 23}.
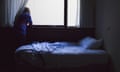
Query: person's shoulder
{"x": 26, "y": 15}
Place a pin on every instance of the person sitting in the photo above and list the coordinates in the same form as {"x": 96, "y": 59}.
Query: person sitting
{"x": 22, "y": 22}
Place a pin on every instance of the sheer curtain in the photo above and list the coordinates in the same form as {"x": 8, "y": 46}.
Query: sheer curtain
{"x": 73, "y": 13}
{"x": 87, "y": 18}
{"x": 11, "y": 8}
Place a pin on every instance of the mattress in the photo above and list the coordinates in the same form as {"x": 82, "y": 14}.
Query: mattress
{"x": 63, "y": 56}
{"x": 76, "y": 60}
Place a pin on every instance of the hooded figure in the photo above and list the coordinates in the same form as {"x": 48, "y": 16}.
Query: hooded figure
{"x": 22, "y": 22}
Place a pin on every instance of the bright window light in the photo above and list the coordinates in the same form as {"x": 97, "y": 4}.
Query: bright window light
{"x": 73, "y": 13}
{"x": 47, "y": 12}
{"x": 51, "y": 12}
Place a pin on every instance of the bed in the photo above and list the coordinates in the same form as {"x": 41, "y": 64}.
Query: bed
{"x": 60, "y": 55}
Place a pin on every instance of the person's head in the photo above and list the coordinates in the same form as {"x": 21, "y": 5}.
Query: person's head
{"x": 26, "y": 10}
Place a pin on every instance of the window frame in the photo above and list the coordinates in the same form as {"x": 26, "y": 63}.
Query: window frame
{"x": 58, "y": 26}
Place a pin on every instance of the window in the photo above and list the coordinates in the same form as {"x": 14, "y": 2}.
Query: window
{"x": 55, "y": 12}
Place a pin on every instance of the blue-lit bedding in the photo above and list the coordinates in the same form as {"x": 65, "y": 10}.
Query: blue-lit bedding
{"x": 56, "y": 47}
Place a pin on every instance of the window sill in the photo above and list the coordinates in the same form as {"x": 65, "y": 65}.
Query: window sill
{"x": 52, "y": 27}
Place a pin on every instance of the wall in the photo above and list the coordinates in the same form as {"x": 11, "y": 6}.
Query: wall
{"x": 7, "y": 48}
{"x": 59, "y": 34}
{"x": 107, "y": 20}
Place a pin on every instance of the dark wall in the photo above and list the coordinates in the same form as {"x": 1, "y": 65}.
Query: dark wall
{"x": 7, "y": 47}
{"x": 59, "y": 34}
{"x": 108, "y": 28}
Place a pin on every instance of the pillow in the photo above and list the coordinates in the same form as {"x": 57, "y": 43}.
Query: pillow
{"x": 90, "y": 43}
{"x": 96, "y": 45}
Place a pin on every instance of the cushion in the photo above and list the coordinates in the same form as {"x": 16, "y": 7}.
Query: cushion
{"x": 90, "y": 43}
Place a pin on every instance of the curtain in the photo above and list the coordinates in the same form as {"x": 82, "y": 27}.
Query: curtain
{"x": 9, "y": 10}
{"x": 78, "y": 14}
{"x": 87, "y": 14}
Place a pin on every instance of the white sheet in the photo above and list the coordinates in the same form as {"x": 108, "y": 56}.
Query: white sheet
{"x": 58, "y": 48}
{"x": 46, "y": 46}
{"x": 77, "y": 50}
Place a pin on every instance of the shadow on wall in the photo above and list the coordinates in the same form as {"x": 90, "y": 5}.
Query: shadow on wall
{"x": 59, "y": 34}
